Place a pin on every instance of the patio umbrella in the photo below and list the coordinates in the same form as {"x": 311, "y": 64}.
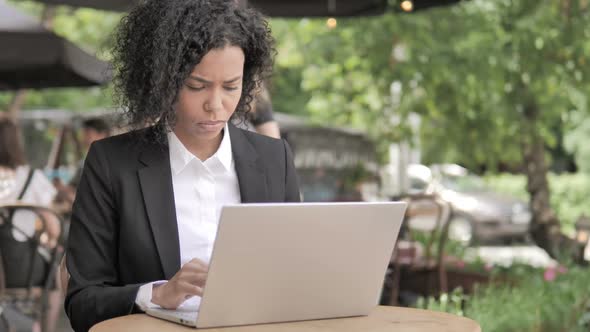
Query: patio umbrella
{"x": 278, "y": 8}
{"x": 32, "y": 57}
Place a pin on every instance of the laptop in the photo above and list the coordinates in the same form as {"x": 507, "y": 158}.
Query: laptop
{"x": 284, "y": 262}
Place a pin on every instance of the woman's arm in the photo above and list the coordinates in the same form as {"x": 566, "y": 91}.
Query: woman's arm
{"x": 52, "y": 228}
{"x": 94, "y": 290}
{"x": 291, "y": 180}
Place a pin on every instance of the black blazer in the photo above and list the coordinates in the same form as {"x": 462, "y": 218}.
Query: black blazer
{"x": 123, "y": 229}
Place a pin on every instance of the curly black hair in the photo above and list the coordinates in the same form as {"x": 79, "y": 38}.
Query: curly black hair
{"x": 157, "y": 45}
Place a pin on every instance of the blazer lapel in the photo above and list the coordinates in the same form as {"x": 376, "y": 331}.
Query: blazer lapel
{"x": 251, "y": 172}
{"x": 158, "y": 195}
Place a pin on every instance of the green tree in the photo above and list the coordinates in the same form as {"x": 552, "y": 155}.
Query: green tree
{"x": 505, "y": 75}
{"x": 492, "y": 80}
{"x": 576, "y": 139}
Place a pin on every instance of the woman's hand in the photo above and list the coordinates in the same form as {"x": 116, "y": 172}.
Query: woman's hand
{"x": 186, "y": 283}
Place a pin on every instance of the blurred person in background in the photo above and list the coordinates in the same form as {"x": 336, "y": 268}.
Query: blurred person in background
{"x": 261, "y": 116}
{"x": 93, "y": 129}
{"x": 20, "y": 183}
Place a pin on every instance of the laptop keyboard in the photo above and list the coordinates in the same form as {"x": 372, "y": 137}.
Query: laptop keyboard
{"x": 185, "y": 315}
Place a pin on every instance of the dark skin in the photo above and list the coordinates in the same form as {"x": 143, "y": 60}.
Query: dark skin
{"x": 189, "y": 281}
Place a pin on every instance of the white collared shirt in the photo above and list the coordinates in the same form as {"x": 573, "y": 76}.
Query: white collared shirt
{"x": 201, "y": 189}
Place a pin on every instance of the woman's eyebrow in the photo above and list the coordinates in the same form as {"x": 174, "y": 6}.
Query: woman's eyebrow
{"x": 202, "y": 80}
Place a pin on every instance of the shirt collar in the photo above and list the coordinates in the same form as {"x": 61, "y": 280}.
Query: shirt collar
{"x": 224, "y": 153}
{"x": 180, "y": 156}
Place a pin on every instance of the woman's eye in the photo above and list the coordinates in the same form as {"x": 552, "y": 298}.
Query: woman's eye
{"x": 195, "y": 88}
{"x": 231, "y": 88}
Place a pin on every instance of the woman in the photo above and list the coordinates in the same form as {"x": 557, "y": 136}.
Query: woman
{"x": 148, "y": 202}
{"x": 19, "y": 183}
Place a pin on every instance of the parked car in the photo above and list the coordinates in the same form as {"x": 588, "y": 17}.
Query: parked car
{"x": 478, "y": 213}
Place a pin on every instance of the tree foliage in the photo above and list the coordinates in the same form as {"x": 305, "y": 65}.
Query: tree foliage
{"x": 468, "y": 70}
{"x": 494, "y": 81}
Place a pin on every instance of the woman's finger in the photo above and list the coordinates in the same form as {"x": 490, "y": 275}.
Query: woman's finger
{"x": 194, "y": 278}
{"x": 196, "y": 264}
{"x": 189, "y": 289}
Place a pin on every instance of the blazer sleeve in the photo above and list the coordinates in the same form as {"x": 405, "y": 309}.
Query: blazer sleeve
{"x": 291, "y": 180}
{"x": 94, "y": 291}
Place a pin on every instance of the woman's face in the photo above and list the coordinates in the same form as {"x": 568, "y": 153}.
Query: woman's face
{"x": 210, "y": 95}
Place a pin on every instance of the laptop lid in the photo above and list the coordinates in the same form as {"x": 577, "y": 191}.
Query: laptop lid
{"x": 287, "y": 262}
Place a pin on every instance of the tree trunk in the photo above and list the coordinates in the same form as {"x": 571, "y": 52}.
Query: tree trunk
{"x": 545, "y": 227}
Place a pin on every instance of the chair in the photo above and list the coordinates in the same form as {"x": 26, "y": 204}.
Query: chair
{"x": 411, "y": 257}
{"x": 64, "y": 276}
{"x": 28, "y": 268}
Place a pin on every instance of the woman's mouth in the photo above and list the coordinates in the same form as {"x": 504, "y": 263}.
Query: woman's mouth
{"x": 211, "y": 125}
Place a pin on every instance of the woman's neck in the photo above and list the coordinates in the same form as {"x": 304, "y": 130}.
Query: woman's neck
{"x": 202, "y": 149}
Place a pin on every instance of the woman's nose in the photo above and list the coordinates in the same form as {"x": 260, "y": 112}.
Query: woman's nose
{"x": 214, "y": 102}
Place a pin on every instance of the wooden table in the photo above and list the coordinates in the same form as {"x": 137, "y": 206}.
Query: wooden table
{"x": 383, "y": 318}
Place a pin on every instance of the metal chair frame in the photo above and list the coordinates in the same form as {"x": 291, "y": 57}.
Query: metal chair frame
{"x": 35, "y": 295}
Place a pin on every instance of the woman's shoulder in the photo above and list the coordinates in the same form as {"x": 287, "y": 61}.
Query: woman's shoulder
{"x": 131, "y": 135}
{"x": 127, "y": 142}
{"x": 259, "y": 140}
{"x": 268, "y": 147}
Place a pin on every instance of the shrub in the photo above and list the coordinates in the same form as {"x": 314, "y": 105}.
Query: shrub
{"x": 537, "y": 304}
{"x": 542, "y": 301}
